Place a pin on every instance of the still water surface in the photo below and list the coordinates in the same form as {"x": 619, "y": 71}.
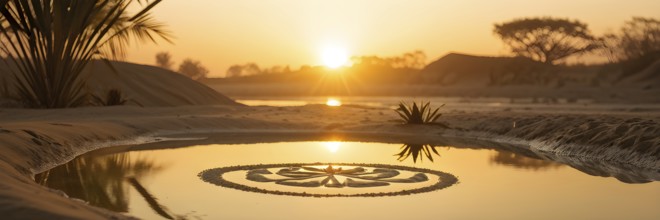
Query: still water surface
{"x": 391, "y": 101}
{"x": 157, "y": 184}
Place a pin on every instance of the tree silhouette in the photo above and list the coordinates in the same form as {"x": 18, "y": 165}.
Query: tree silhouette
{"x": 164, "y": 60}
{"x": 193, "y": 69}
{"x": 277, "y": 69}
{"x": 414, "y": 60}
{"x": 637, "y": 38}
{"x": 411, "y": 60}
{"x": 247, "y": 69}
{"x": 235, "y": 71}
{"x": 546, "y": 39}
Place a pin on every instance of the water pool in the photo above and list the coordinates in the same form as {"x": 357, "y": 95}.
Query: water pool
{"x": 385, "y": 182}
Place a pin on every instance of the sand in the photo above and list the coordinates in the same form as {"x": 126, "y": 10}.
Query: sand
{"x": 141, "y": 85}
{"x": 32, "y": 141}
{"x": 36, "y": 140}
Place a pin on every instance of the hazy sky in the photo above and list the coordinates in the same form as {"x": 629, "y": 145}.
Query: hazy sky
{"x": 220, "y": 33}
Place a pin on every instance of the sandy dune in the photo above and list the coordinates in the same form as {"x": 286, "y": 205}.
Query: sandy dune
{"x": 143, "y": 85}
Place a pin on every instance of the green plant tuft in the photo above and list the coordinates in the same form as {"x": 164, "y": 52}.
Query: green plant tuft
{"x": 418, "y": 114}
{"x": 112, "y": 97}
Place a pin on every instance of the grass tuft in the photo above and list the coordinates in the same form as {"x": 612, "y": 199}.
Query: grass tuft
{"x": 112, "y": 97}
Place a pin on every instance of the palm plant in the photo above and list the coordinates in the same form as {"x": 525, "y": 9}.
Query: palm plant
{"x": 48, "y": 43}
{"x": 112, "y": 97}
{"x": 418, "y": 114}
{"x": 415, "y": 150}
{"x": 152, "y": 201}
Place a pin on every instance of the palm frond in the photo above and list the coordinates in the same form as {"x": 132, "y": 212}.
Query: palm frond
{"x": 49, "y": 42}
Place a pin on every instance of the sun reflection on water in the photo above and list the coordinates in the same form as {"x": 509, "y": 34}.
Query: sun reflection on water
{"x": 334, "y": 102}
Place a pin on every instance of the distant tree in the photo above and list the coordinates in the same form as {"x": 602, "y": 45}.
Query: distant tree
{"x": 412, "y": 60}
{"x": 546, "y": 39}
{"x": 164, "y": 60}
{"x": 251, "y": 69}
{"x": 637, "y": 38}
{"x": 243, "y": 70}
{"x": 278, "y": 69}
{"x": 287, "y": 69}
{"x": 371, "y": 61}
{"x": 234, "y": 71}
{"x": 193, "y": 69}
{"x": 305, "y": 68}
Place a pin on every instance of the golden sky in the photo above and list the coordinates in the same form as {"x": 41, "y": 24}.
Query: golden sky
{"x": 220, "y": 33}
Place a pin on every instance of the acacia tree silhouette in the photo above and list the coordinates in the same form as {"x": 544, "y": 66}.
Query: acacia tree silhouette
{"x": 48, "y": 43}
{"x": 546, "y": 39}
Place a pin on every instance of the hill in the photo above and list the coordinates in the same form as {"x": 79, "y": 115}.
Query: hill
{"x": 647, "y": 78}
{"x": 462, "y": 69}
{"x": 144, "y": 85}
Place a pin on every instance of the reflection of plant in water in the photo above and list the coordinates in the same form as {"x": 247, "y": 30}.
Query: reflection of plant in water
{"x": 98, "y": 180}
{"x": 315, "y": 177}
{"x": 520, "y": 161}
{"x": 152, "y": 201}
{"x": 415, "y": 150}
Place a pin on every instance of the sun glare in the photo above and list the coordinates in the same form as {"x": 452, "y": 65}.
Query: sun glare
{"x": 332, "y": 146}
{"x": 334, "y": 57}
{"x": 333, "y": 102}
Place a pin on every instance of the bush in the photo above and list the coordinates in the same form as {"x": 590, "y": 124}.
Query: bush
{"x": 164, "y": 60}
{"x": 193, "y": 69}
{"x": 112, "y": 97}
{"x": 638, "y": 39}
{"x": 418, "y": 115}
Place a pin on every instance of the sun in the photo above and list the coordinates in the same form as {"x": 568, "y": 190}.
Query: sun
{"x": 333, "y": 102}
{"x": 334, "y": 57}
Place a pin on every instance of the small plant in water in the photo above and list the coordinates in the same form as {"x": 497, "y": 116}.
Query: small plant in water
{"x": 415, "y": 150}
{"x": 418, "y": 114}
{"x": 113, "y": 97}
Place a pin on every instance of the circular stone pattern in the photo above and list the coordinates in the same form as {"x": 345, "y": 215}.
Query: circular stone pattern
{"x": 336, "y": 175}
